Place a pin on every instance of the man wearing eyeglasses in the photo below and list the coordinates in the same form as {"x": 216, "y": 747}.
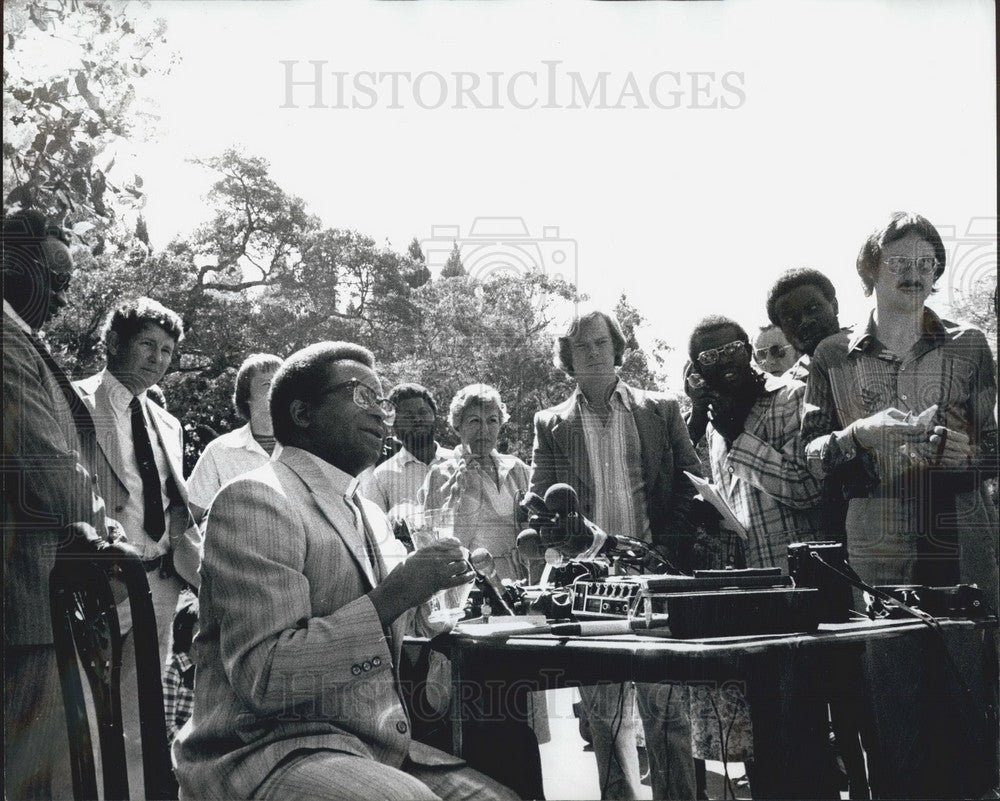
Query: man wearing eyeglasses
{"x": 51, "y": 501}
{"x": 906, "y": 404}
{"x": 758, "y": 466}
{"x": 753, "y": 441}
{"x": 297, "y": 692}
{"x": 772, "y": 352}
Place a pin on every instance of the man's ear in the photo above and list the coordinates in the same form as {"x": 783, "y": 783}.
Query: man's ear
{"x": 112, "y": 344}
{"x": 300, "y": 412}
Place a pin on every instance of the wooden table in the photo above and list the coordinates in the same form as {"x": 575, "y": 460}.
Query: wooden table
{"x": 785, "y": 678}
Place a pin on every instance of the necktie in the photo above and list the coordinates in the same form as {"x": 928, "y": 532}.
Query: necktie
{"x": 370, "y": 547}
{"x": 153, "y": 520}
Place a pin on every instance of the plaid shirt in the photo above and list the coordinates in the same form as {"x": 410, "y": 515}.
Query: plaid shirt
{"x": 854, "y": 376}
{"x": 178, "y": 692}
{"x": 765, "y": 477}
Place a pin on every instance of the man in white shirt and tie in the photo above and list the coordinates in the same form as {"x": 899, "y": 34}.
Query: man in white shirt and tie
{"x": 139, "y": 464}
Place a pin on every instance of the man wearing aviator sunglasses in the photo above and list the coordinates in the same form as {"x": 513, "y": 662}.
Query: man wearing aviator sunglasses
{"x": 753, "y": 441}
{"x": 772, "y": 352}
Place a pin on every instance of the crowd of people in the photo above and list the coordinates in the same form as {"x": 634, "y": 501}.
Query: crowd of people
{"x": 282, "y": 593}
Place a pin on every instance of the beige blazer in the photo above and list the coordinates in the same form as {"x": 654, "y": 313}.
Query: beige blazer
{"x": 291, "y": 654}
{"x": 185, "y": 536}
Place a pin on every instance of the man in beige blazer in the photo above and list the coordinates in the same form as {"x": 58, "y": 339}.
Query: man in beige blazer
{"x": 138, "y": 461}
{"x": 297, "y": 689}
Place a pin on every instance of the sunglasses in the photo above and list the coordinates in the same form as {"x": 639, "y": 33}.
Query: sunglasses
{"x": 902, "y": 265}
{"x": 709, "y": 357}
{"x": 366, "y": 398}
{"x": 774, "y": 352}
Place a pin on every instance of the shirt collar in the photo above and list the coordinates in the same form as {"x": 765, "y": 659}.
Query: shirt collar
{"x": 18, "y": 320}
{"x": 344, "y": 484}
{"x": 403, "y": 456}
{"x": 863, "y": 337}
{"x": 245, "y": 439}
{"x": 183, "y": 661}
{"x": 119, "y": 395}
{"x": 619, "y": 391}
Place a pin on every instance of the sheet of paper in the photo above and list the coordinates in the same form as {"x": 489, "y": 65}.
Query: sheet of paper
{"x": 708, "y": 491}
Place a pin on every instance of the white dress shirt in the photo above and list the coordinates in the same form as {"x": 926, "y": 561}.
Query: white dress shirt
{"x": 133, "y": 515}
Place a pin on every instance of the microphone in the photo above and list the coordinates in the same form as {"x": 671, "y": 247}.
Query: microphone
{"x": 529, "y": 543}
{"x": 563, "y": 500}
{"x": 529, "y": 546}
{"x": 488, "y": 581}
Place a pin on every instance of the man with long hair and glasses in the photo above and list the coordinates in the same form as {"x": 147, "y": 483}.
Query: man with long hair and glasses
{"x": 904, "y": 405}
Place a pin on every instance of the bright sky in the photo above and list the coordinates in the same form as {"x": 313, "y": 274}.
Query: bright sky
{"x": 841, "y": 112}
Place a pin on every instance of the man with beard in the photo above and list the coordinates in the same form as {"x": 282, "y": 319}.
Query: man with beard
{"x": 394, "y": 483}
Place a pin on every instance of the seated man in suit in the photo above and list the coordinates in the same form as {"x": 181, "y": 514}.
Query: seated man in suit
{"x": 297, "y": 692}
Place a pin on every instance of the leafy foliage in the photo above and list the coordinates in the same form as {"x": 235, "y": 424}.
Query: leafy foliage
{"x": 71, "y": 79}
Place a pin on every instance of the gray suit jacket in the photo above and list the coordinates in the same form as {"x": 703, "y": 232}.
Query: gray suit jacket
{"x": 46, "y": 485}
{"x": 291, "y": 654}
{"x": 560, "y": 456}
{"x": 185, "y": 536}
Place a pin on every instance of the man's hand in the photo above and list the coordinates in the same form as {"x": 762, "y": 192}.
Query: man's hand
{"x": 891, "y": 430}
{"x": 944, "y": 447}
{"x": 728, "y": 414}
{"x": 436, "y": 567}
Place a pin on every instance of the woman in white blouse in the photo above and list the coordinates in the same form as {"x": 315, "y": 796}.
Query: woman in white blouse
{"x": 481, "y": 485}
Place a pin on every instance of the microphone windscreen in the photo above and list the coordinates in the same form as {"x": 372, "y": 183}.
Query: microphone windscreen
{"x": 482, "y": 561}
{"x": 529, "y": 544}
{"x": 534, "y": 502}
{"x": 562, "y": 499}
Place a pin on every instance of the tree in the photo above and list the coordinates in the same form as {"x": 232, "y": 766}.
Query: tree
{"x": 415, "y": 273}
{"x": 453, "y": 267}
{"x": 977, "y": 304}
{"x": 72, "y": 99}
{"x": 636, "y": 368}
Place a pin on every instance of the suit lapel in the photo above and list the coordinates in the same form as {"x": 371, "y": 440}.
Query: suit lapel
{"x": 335, "y": 512}
{"x": 95, "y": 395}
{"x": 170, "y": 441}
{"x": 567, "y": 433}
{"x": 652, "y": 436}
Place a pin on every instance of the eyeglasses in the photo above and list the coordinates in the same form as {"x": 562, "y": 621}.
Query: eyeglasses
{"x": 774, "y": 351}
{"x": 695, "y": 381}
{"x": 709, "y": 357}
{"x": 59, "y": 282}
{"x": 900, "y": 265}
{"x": 364, "y": 397}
